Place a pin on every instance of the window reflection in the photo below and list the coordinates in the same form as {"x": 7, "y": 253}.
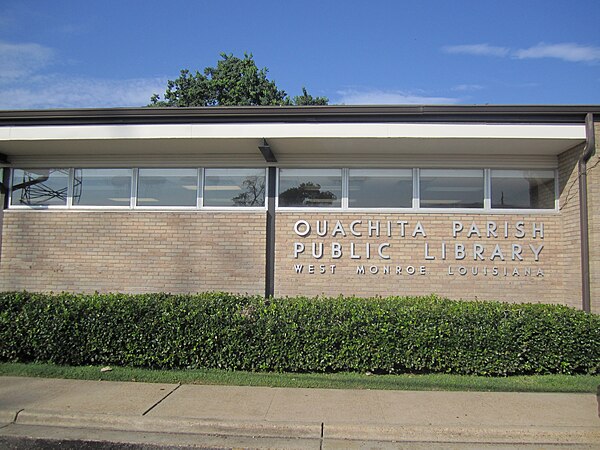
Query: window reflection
{"x": 39, "y": 187}
{"x": 234, "y": 187}
{"x": 167, "y": 187}
{"x": 310, "y": 188}
{"x": 102, "y": 187}
{"x": 380, "y": 188}
{"x": 518, "y": 189}
{"x": 451, "y": 188}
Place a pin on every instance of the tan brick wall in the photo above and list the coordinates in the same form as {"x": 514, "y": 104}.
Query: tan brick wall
{"x": 593, "y": 178}
{"x": 560, "y": 258}
{"x": 133, "y": 251}
{"x": 570, "y": 261}
{"x": 410, "y": 251}
{"x": 199, "y": 251}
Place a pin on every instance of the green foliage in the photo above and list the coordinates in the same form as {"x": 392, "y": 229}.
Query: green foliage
{"x": 306, "y": 99}
{"x": 233, "y": 82}
{"x": 237, "y": 332}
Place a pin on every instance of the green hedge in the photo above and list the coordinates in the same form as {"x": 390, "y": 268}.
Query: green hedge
{"x": 218, "y": 330}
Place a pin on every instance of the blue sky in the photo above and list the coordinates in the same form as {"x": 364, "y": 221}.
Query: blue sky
{"x": 105, "y": 53}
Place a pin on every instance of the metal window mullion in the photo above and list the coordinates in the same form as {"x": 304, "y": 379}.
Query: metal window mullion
{"x": 200, "y": 193}
{"x": 416, "y": 189}
{"x": 345, "y": 188}
{"x": 70, "y": 187}
{"x": 487, "y": 189}
{"x": 276, "y": 192}
{"x": 134, "y": 182}
{"x": 556, "y": 191}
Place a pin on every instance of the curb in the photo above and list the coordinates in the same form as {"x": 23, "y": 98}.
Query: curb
{"x": 289, "y": 430}
{"x": 170, "y": 425}
{"x": 500, "y": 434}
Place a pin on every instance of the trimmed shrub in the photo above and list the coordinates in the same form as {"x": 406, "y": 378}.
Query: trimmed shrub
{"x": 220, "y": 330}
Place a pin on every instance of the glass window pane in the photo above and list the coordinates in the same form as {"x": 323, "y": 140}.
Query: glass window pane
{"x": 39, "y": 187}
{"x": 451, "y": 188}
{"x": 102, "y": 187}
{"x": 167, "y": 187}
{"x": 523, "y": 189}
{"x": 310, "y": 188}
{"x": 234, "y": 187}
{"x": 380, "y": 188}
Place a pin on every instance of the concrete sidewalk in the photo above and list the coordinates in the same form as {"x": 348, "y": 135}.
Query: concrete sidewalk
{"x": 258, "y": 417}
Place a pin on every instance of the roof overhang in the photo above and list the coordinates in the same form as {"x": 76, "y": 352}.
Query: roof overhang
{"x": 296, "y": 136}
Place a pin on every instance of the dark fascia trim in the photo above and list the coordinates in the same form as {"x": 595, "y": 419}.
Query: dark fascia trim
{"x": 291, "y": 114}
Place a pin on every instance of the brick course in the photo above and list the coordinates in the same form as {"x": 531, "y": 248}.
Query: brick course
{"x": 133, "y": 251}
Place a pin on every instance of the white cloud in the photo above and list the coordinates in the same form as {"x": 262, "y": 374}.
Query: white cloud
{"x": 59, "y": 92}
{"x": 477, "y": 49}
{"x": 568, "y": 52}
{"x": 19, "y": 60}
{"x": 467, "y": 87}
{"x": 24, "y": 85}
{"x": 379, "y": 97}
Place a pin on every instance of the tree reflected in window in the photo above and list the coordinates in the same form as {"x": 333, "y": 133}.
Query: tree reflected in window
{"x": 307, "y": 194}
{"x": 253, "y": 192}
{"x": 316, "y": 188}
{"x": 234, "y": 187}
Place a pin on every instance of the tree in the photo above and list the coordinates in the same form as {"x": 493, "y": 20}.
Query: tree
{"x": 233, "y": 82}
{"x": 306, "y": 99}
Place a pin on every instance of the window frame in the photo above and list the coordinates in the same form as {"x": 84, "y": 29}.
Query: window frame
{"x": 343, "y": 185}
{"x": 382, "y": 208}
{"x": 202, "y": 186}
{"x": 416, "y": 199}
{"x": 517, "y": 210}
{"x": 164, "y": 207}
{"x": 345, "y": 180}
{"x": 132, "y": 206}
{"x": 132, "y": 188}
{"x": 9, "y": 192}
{"x": 441, "y": 208}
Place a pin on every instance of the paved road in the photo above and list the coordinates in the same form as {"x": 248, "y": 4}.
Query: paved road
{"x": 144, "y": 415}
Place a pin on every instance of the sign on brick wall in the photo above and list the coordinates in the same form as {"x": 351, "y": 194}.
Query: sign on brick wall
{"x": 402, "y": 247}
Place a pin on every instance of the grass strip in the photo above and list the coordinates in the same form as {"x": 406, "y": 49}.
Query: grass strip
{"x": 426, "y": 382}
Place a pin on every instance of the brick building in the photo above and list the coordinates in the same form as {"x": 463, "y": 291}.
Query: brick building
{"x": 473, "y": 202}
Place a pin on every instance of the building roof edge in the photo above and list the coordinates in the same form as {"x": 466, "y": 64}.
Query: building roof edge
{"x": 330, "y": 113}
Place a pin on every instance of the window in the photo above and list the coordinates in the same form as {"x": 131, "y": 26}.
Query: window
{"x": 345, "y": 189}
{"x": 380, "y": 188}
{"x": 234, "y": 187}
{"x": 167, "y": 187}
{"x": 523, "y": 189}
{"x": 317, "y": 188}
{"x": 451, "y": 188}
{"x": 39, "y": 187}
{"x": 102, "y": 187}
